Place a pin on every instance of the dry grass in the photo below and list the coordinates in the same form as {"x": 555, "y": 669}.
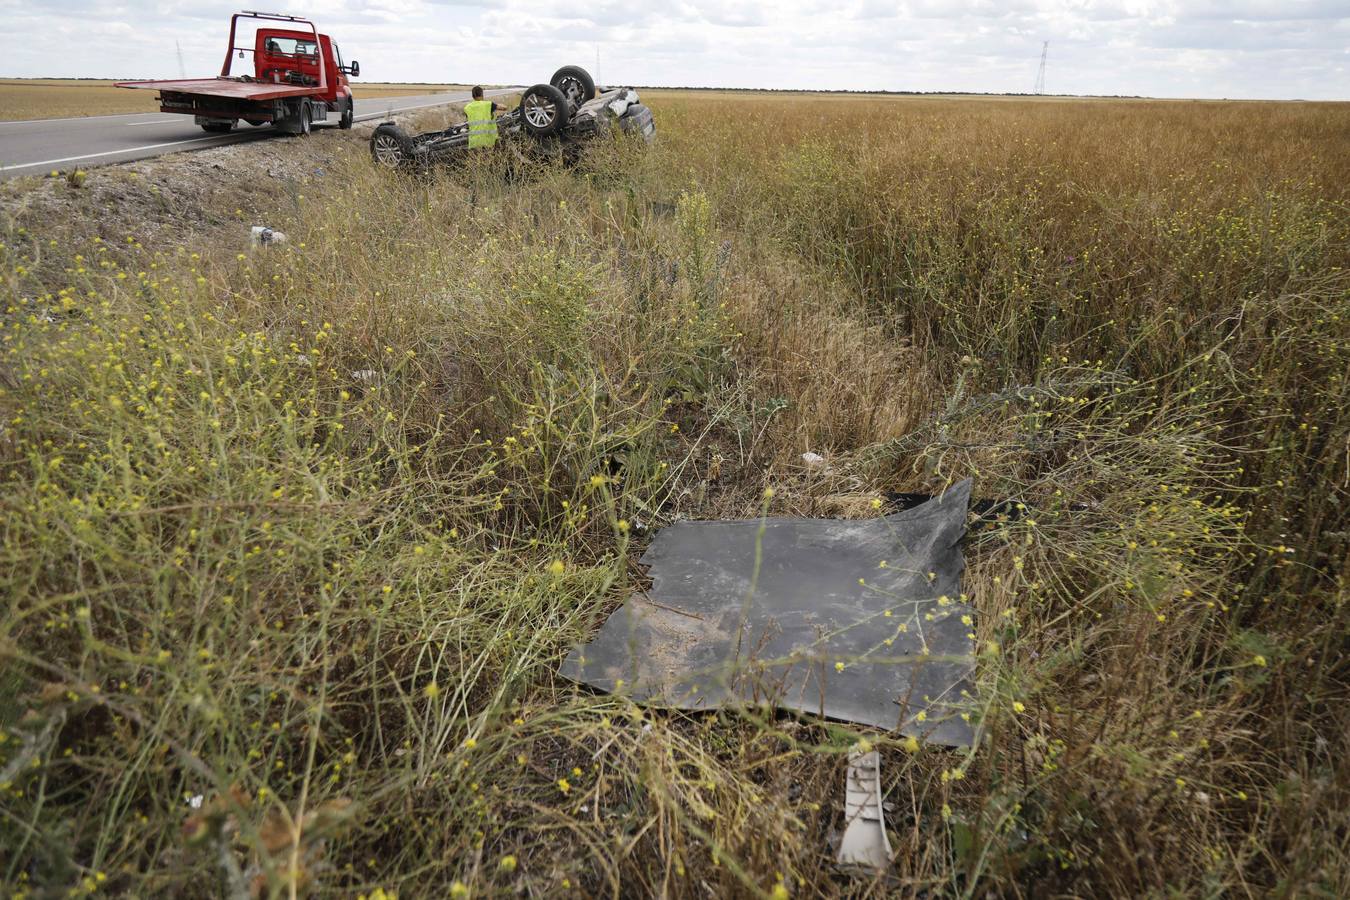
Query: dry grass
{"x": 332, "y": 604}
{"x": 55, "y": 98}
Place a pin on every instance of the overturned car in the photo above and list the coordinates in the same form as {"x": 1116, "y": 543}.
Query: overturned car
{"x": 568, "y": 110}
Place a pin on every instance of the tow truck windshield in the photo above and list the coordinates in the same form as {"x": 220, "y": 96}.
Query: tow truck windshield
{"x": 284, "y": 46}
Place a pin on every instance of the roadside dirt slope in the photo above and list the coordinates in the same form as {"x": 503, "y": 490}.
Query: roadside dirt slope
{"x": 162, "y": 200}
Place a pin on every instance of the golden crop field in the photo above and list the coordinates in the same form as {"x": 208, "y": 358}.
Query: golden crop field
{"x": 54, "y": 98}
{"x": 293, "y": 541}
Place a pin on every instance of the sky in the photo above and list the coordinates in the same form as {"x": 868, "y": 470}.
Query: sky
{"x": 1258, "y": 49}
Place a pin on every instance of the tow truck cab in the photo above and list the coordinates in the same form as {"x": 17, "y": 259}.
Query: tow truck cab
{"x": 281, "y": 56}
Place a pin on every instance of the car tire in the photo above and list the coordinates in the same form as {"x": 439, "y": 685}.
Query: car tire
{"x": 348, "y": 115}
{"x": 390, "y": 146}
{"x": 576, "y": 84}
{"x": 543, "y": 110}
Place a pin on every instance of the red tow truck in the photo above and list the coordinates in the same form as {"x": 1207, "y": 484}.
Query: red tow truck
{"x": 298, "y": 79}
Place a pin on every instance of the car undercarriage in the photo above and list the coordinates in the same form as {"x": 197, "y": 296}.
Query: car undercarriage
{"x": 568, "y": 110}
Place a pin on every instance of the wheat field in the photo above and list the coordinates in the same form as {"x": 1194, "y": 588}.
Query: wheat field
{"x": 293, "y": 541}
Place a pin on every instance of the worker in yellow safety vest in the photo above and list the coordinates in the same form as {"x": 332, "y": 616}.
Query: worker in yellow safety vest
{"x": 482, "y": 116}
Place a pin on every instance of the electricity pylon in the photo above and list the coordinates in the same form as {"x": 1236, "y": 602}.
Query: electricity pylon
{"x": 1040, "y": 76}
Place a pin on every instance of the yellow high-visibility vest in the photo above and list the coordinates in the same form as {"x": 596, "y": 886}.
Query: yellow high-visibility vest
{"x": 482, "y": 124}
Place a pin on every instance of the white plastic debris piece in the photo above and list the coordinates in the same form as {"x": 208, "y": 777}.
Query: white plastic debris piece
{"x": 366, "y": 375}
{"x": 864, "y": 842}
{"x": 814, "y": 460}
{"x": 196, "y": 801}
{"x": 267, "y": 237}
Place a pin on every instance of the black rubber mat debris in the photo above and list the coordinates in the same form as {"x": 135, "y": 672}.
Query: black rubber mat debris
{"x": 981, "y": 509}
{"x": 856, "y": 620}
{"x": 985, "y": 514}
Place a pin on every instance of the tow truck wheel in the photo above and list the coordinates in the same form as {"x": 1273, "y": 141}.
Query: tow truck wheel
{"x": 219, "y": 127}
{"x": 306, "y": 119}
{"x": 390, "y": 146}
{"x": 348, "y": 115}
{"x": 576, "y": 84}
{"x": 543, "y": 110}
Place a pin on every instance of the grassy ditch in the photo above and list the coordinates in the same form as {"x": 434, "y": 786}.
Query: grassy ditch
{"x": 293, "y": 540}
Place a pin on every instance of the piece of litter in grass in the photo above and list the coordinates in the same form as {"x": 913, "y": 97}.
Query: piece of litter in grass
{"x": 263, "y": 236}
{"x": 864, "y": 842}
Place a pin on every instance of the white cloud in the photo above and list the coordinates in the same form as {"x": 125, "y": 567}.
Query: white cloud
{"x": 1208, "y": 48}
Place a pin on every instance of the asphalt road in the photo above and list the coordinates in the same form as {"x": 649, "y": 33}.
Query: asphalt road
{"x": 37, "y": 146}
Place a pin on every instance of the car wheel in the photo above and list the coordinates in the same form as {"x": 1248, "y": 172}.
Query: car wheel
{"x": 543, "y": 110}
{"x": 390, "y": 146}
{"x": 576, "y": 84}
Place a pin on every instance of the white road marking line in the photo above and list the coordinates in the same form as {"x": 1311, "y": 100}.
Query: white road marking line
{"x": 155, "y": 122}
{"x": 4, "y": 122}
{"x": 459, "y": 98}
{"x": 129, "y": 115}
{"x": 398, "y": 109}
{"x": 52, "y": 162}
{"x": 68, "y": 119}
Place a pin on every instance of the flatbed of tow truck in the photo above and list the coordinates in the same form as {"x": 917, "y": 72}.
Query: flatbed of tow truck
{"x": 297, "y": 78}
{"x": 241, "y": 87}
